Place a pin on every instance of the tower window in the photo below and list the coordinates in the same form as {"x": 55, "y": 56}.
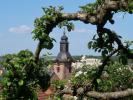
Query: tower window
{"x": 58, "y": 69}
{"x": 70, "y": 69}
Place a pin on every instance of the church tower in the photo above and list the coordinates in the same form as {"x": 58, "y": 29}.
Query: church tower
{"x": 62, "y": 67}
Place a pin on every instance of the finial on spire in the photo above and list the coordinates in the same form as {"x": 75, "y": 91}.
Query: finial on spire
{"x": 64, "y": 37}
{"x": 64, "y": 33}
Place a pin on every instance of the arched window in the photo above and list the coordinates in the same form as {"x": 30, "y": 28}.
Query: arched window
{"x": 70, "y": 69}
{"x": 58, "y": 69}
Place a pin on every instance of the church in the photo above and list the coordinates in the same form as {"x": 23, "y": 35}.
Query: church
{"x": 62, "y": 68}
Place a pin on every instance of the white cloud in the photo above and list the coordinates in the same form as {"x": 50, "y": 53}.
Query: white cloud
{"x": 83, "y": 30}
{"x": 20, "y": 29}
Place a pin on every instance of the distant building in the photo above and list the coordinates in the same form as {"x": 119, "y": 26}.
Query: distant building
{"x": 87, "y": 61}
{"x": 91, "y": 61}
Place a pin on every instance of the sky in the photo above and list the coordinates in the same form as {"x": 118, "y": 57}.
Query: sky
{"x": 17, "y": 22}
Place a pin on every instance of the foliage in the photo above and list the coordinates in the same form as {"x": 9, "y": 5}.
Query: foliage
{"x": 130, "y": 6}
{"x": 115, "y": 77}
{"x": 58, "y": 84}
{"x": 22, "y": 76}
{"x": 42, "y": 71}
{"x": 69, "y": 25}
{"x": 83, "y": 75}
{"x": 50, "y": 15}
{"x": 40, "y": 32}
{"x": 18, "y": 79}
{"x": 104, "y": 45}
{"x": 90, "y": 8}
{"x": 43, "y": 26}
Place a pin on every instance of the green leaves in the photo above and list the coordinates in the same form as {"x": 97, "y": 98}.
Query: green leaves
{"x": 58, "y": 84}
{"x": 123, "y": 57}
{"x": 43, "y": 24}
{"x": 48, "y": 42}
{"x": 98, "y": 81}
{"x": 8, "y": 83}
{"x": 52, "y": 10}
{"x": 23, "y": 75}
{"x": 104, "y": 43}
{"x": 130, "y": 6}
{"x": 115, "y": 76}
{"x": 18, "y": 74}
{"x": 90, "y": 8}
{"x": 21, "y": 82}
{"x": 69, "y": 25}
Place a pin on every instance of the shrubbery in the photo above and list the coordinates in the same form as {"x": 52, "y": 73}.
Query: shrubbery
{"x": 22, "y": 76}
{"x": 115, "y": 77}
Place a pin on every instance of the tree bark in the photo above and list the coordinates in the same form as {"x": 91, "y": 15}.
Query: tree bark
{"x": 111, "y": 95}
{"x": 102, "y": 95}
{"x": 38, "y": 50}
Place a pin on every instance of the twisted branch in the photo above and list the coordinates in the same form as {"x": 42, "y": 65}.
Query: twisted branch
{"x": 102, "y": 95}
{"x": 100, "y": 17}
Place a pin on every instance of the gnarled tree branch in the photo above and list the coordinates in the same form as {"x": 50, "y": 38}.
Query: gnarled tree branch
{"x": 101, "y": 15}
{"x": 102, "y": 95}
{"x": 110, "y": 95}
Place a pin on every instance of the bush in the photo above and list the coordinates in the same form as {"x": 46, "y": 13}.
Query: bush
{"x": 23, "y": 76}
{"x": 115, "y": 77}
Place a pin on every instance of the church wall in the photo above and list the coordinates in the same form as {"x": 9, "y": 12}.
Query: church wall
{"x": 59, "y": 70}
{"x": 62, "y": 70}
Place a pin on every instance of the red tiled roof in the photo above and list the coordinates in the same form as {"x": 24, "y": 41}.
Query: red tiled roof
{"x": 44, "y": 94}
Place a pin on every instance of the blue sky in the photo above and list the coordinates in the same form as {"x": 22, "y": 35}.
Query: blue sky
{"x": 17, "y": 19}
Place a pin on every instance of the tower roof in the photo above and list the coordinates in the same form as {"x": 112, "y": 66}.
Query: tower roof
{"x": 64, "y": 55}
{"x": 64, "y": 37}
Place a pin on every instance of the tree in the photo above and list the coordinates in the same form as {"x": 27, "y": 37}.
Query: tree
{"x": 23, "y": 76}
{"x": 97, "y": 13}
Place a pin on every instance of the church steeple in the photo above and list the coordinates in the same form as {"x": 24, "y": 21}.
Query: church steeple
{"x": 64, "y": 55}
{"x": 62, "y": 67}
{"x": 64, "y": 43}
